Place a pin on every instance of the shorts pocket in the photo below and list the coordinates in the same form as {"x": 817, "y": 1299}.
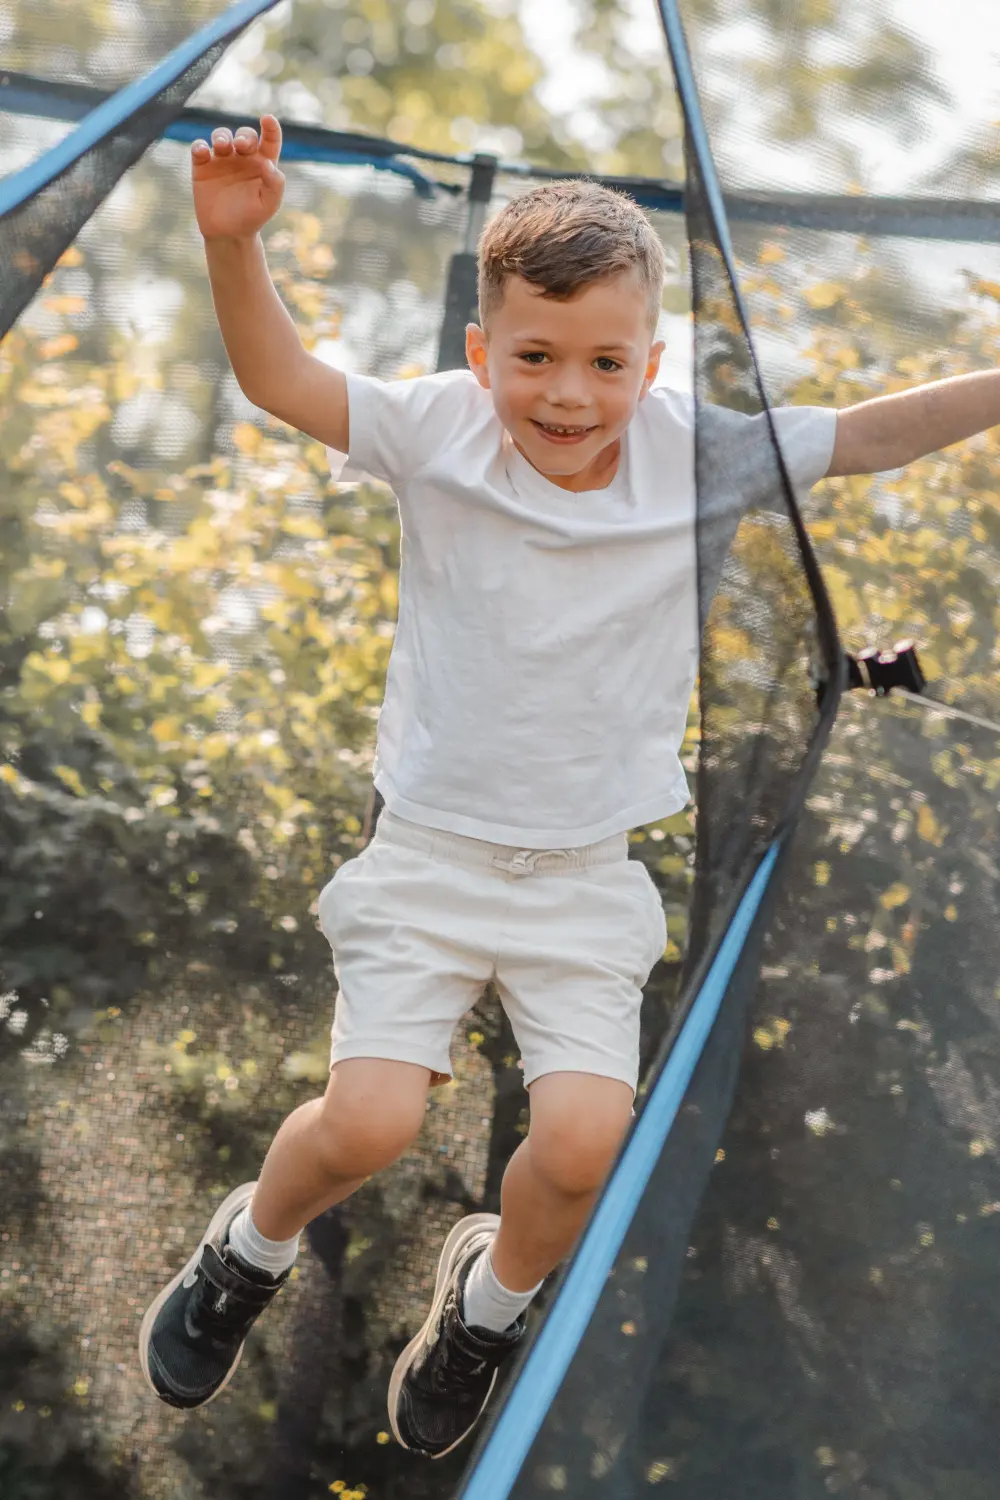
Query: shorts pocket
{"x": 653, "y": 907}
{"x": 330, "y": 906}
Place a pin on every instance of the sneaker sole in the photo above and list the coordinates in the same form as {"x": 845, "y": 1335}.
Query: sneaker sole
{"x": 237, "y": 1199}
{"x": 456, "y": 1241}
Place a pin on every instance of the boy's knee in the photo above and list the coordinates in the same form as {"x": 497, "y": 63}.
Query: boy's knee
{"x": 368, "y": 1121}
{"x": 574, "y": 1155}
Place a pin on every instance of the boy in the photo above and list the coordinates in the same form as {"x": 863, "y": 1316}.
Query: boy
{"x": 535, "y": 703}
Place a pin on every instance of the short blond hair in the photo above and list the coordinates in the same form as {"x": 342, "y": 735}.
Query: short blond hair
{"x": 564, "y": 236}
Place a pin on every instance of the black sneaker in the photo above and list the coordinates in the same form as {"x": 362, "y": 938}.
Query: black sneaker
{"x": 444, "y": 1377}
{"x": 192, "y": 1336}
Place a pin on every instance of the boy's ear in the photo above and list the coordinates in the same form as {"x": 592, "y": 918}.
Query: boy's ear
{"x": 652, "y": 367}
{"x": 475, "y": 353}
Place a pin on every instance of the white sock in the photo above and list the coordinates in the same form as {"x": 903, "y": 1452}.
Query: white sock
{"x": 273, "y": 1256}
{"x": 485, "y": 1303}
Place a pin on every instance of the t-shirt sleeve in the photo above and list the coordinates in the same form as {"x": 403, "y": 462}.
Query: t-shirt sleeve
{"x": 737, "y": 471}
{"x": 397, "y": 426}
{"x": 738, "y": 460}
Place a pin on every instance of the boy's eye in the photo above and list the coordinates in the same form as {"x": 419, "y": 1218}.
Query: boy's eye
{"x": 534, "y": 356}
{"x": 606, "y": 364}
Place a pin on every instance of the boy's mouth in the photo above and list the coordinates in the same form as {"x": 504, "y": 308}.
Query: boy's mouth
{"x": 560, "y": 433}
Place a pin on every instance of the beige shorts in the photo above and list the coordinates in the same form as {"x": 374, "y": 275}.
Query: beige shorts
{"x": 421, "y": 921}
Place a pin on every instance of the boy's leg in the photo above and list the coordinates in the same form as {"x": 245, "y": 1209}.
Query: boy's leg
{"x": 579, "y": 937}
{"x": 444, "y": 1377}
{"x": 370, "y": 1113}
{"x": 578, "y": 1122}
{"x": 192, "y": 1335}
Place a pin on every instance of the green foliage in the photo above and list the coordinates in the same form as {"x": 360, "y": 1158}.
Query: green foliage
{"x": 194, "y": 631}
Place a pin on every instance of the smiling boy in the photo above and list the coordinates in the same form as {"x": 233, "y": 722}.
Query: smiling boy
{"x": 535, "y": 705}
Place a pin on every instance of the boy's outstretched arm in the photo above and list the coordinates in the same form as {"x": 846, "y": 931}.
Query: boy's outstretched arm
{"x": 891, "y": 431}
{"x": 237, "y": 188}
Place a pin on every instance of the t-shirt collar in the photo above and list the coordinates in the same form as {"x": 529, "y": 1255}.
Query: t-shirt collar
{"x": 527, "y": 481}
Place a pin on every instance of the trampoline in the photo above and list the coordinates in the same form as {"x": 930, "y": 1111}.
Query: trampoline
{"x": 789, "y": 1287}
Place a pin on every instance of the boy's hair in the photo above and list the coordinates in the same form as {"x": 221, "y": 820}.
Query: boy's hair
{"x": 564, "y": 236}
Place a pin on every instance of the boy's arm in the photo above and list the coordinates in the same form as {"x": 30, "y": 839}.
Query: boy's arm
{"x": 269, "y": 361}
{"x": 891, "y": 431}
{"x": 238, "y": 187}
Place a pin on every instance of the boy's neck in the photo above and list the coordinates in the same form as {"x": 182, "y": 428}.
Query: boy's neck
{"x": 596, "y": 475}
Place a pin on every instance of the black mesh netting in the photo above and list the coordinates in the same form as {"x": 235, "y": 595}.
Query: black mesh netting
{"x": 34, "y": 234}
{"x": 193, "y": 638}
{"x": 108, "y": 47}
{"x": 837, "y": 1322}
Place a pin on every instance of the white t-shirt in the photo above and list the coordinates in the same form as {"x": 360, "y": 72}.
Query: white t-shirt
{"x": 547, "y": 641}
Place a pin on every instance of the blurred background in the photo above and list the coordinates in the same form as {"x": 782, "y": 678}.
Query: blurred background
{"x": 194, "y": 631}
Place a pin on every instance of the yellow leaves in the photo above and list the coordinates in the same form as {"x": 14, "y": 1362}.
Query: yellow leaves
{"x": 983, "y": 288}
{"x": 772, "y": 1035}
{"x": 388, "y": 592}
{"x": 823, "y": 294}
{"x": 313, "y": 1067}
{"x": 10, "y": 777}
{"x": 302, "y": 525}
{"x": 199, "y": 547}
{"x": 730, "y": 644}
{"x": 247, "y": 439}
{"x": 821, "y": 873}
{"x": 206, "y": 674}
{"x": 56, "y": 669}
{"x": 307, "y": 297}
{"x": 65, "y": 306}
{"x": 823, "y": 531}
{"x": 928, "y": 827}
{"x": 55, "y": 348}
{"x": 71, "y": 779}
{"x": 894, "y": 896}
{"x": 166, "y": 731}
{"x": 215, "y": 746}
{"x": 771, "y": 254}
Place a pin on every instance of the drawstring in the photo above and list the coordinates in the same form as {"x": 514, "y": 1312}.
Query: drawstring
{"x": 524, "y": 860}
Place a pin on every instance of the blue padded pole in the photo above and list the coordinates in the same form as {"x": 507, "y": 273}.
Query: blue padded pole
{"x": 109, "y": 116}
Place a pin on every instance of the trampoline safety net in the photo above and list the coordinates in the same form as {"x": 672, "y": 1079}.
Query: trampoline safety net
{"x": 790, "y": 1286}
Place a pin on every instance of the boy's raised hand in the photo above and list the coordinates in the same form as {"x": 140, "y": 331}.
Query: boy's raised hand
{"x": 236, "y": 181}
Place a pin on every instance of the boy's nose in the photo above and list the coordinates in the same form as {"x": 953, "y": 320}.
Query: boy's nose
{"x": 568, "y": 390}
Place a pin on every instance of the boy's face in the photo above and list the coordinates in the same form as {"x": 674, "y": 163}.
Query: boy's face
{"x": 566, "y": 376}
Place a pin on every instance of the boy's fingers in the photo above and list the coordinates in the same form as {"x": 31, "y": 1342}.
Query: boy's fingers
{"x": 201, "y": 150}
{"x": 246, "y": 138}
{"x": 270, "y": 137}
{"x": 222, "y": 141}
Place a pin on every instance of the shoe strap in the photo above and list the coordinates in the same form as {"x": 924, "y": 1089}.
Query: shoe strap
{"x": 486, "y": 1345}
{"x": 225, "y": 1278}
